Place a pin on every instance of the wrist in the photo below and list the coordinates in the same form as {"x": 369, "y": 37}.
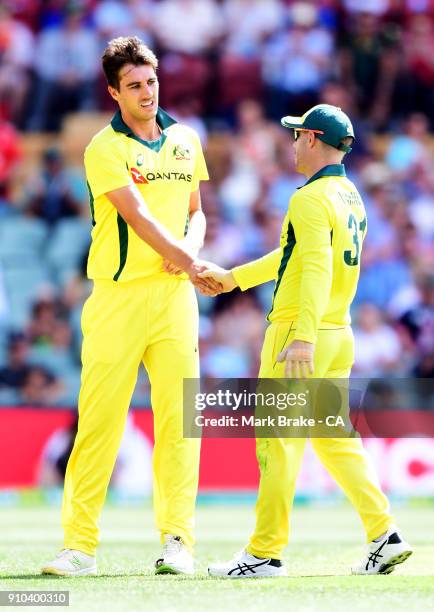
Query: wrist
{"x": 232, "y": 279}
{"x": 306, "y": 338}
{"x": 187, "y": 260}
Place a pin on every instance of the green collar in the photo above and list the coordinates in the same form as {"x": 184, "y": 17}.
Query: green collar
{"x": 164, "y": 120}
{"x": 330, "y": 170}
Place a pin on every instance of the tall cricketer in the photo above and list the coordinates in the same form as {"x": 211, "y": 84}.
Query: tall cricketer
{"x": 316, "y": 270}
{"x": 143, "y": 173}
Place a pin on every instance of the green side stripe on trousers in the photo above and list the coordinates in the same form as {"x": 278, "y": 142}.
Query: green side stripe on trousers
{"x": 123, "y": 246}
{"x": 287, "y": 252}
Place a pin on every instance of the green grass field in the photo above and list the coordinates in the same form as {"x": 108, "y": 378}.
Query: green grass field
{"x": 325, "y": 541}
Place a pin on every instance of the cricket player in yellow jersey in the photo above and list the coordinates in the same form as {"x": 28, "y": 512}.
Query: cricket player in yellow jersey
{"x": 316, "y": 269}
{"x": 143, "y": 172}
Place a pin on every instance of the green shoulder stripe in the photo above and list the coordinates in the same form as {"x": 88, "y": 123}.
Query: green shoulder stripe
{"x": 287, "y": 252}
{"x": 123, "y": 246}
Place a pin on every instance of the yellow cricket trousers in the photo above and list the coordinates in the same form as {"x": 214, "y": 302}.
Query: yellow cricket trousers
{"x": 154, "y": 321}
{"x": 280, "y": 458}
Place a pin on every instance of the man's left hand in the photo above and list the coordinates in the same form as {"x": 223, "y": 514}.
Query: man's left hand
{"x": 170, "y": 268}
{"x": 299, "y": 359}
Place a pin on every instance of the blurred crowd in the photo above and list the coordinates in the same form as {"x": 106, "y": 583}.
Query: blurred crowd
{"x": 281, "y": 51}
{"x": 230, "y": 69}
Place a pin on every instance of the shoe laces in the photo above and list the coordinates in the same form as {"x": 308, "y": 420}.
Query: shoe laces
{"x": 64, "y": 553}
{"x": 172, "y": 546}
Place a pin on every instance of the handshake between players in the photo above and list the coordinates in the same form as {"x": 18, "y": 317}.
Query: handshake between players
{"x": 209, "y": 278}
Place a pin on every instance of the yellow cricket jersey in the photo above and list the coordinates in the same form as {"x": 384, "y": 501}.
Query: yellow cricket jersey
{"x": 165, "y": 171}
{"x": 317, "y": 265}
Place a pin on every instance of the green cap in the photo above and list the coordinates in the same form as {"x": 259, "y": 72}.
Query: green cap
{"x": 330, "y": 124}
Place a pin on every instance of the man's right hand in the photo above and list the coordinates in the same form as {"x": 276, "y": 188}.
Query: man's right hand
{"x": 223, "y": 277}
{"x": 207, "y": 286}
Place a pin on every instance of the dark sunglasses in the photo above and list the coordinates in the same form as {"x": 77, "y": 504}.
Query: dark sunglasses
{"x": 297, "y": 130}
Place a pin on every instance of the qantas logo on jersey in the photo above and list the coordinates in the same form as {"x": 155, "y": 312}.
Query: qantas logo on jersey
{"x": 148, "y": 177}
{"x": 138, "y": 178}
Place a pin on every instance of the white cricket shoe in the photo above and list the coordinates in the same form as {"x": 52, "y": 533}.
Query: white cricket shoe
{"x": 245, "y": 565}
{"x": 384, "y": 554}
{"x": 176, "y": 558}
{"x": 71, "y": 563}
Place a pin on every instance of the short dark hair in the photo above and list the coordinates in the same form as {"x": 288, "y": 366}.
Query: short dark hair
{"x": 125, "y": 50}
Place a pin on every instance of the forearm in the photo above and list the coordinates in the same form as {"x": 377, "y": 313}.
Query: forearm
{"x": 258, "y": 271}
{"x": 314, "y": 296}
{"x": 196, "y": 230}
{"x": 151, "y": 231}
{"x": 136, "y": 214}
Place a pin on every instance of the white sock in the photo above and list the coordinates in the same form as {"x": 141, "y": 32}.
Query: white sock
{"x": 380, "y": 537}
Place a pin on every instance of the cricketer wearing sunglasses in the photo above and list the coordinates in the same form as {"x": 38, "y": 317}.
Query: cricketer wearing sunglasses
{"x": 316, "y": 270}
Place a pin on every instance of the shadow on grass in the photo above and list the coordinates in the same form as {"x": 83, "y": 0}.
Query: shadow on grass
{"x": 150, "y": 577}
{"x": 147, "y": 576}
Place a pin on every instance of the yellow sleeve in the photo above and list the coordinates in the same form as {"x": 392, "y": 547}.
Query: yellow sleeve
{"x": 106, "y": 168}
{"x": 258, "y": 271}
{"x": 200, "y": 169}
{"x": 312, "y": 225}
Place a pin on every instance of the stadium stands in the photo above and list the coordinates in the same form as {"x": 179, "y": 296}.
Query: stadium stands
{"x": 240, "y": 82}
